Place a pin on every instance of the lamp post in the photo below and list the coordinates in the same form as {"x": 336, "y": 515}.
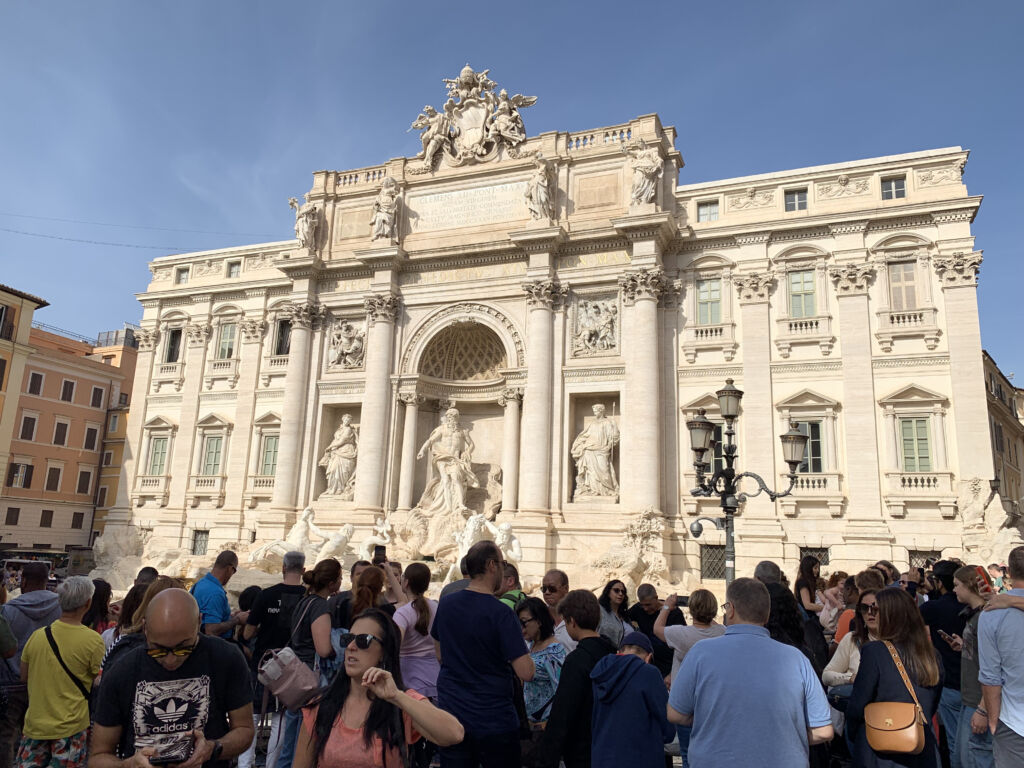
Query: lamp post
{"x": 724, "y": 482}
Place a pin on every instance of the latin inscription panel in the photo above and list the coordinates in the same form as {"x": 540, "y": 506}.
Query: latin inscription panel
{"x": 467, "y": 207}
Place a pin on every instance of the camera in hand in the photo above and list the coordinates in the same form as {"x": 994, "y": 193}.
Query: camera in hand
{"x": 173, "y": 750}
{"x": 380, "y": 554}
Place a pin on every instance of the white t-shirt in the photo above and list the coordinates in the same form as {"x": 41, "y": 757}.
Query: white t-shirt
{"x": 562, "y": 635}
{"x": 682, "y": 638}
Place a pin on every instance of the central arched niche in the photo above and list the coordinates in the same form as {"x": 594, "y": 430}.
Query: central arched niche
{"x": 464, "y": 351}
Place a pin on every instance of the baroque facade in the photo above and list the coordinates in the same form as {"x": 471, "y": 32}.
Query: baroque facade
{"x": 523, "y": 281}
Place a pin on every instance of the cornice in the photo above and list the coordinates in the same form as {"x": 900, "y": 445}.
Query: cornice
{"x": 659, "y": 226}
{"x": 539, "y": 240}
{"x": 928, "y": 361}
{"x": 604, "y": 372}
{"x": 806, "y": 367}
{"x": 712, "y": 372}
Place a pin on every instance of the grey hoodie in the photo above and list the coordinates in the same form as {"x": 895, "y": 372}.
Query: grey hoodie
{"x": 26, "y": 613}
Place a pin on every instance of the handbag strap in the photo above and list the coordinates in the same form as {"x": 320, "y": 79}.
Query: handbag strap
{"x": 309, "y": 603}
{"x": 56, "y": 652}
{"x": 903, "y": 674}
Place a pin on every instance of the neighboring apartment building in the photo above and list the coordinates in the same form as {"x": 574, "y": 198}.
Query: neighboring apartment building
{"x": 16, "y": 308}
{"x": 66, "y": 397}
{"x": 1004, "y": 419}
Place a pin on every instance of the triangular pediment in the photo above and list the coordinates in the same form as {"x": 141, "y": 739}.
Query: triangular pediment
{"x": 913, "y": 393}
{"x": 708, "y": 401}
{"x": 159, "y": 422}
{"x": 213, "y": 420}
{"x": 807, "y": 398}
{"x": 268, "y": 419}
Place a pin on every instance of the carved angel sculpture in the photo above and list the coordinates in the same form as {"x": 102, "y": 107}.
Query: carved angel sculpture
{"x": 506, "y": 122}
{"x": 437, "y": 128}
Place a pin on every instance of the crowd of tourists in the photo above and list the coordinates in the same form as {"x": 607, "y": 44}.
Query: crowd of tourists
{"x": 922, "y": 668}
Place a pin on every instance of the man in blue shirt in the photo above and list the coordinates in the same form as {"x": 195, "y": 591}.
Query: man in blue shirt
{"x": 749, "y": 699}
{"x": 217, "y": 616}
{"x": 1001, "y": 674}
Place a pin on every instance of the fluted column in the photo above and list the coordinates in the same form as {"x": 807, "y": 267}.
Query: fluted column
{"x": 509, "y": 400}
{"x": 535, "y": 462}
{"x": 407, "y": 476}
{"x": 303, "y": 316}
{"x": 640, "y": 459}
{"x": 381, "y": 309}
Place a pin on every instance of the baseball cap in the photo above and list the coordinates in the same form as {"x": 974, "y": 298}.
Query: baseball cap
{"x": 639, "y": 639}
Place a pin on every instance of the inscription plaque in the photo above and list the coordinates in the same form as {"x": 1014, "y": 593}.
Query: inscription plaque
{"x": 467, "y": 207}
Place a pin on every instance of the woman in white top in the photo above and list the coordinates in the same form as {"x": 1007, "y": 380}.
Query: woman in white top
{"x": 841, "y": 671}
{"x": 703, "y": 609}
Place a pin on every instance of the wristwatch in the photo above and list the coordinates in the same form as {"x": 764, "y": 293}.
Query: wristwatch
{"x": 667, "y": 607}
{"x": 218, "y": 750}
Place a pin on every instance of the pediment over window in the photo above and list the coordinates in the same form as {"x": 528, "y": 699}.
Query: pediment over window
{"x": 707, "y": 401}
{"x": 268, "y": 419}
{"x": 913, "y": 394}
{"x": 807, "y": 398}
{"x": 799, "y": 253}
{"x": 900, "y": 244}
{"x": 710, "y": 261}
{"x": 213, "y": 421}
{"x": 159, "y": 422}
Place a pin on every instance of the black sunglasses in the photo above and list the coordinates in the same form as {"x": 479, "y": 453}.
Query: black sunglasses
{"x": 548, "y": 588}
{"x": 362, "y": 642}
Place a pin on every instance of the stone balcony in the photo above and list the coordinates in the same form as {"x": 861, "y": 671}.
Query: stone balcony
{"x": 790, "y": 332}
{"x": 258, "y": 487}
{"x": 697, "y": 338}
{"x": 171, "y": 374}
{"x": 824, "y": 487}
{"x": 226, "y": 369}
{"x": 275, "y": 365}
{"x": 908, "y": 324}
{"x": 155, "y": 487}
{"x": 903, "y": 487}
{"x": 208, "y": 487}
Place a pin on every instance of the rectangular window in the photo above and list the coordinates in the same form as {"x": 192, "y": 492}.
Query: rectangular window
{"x": 812, "y": 451}
{"x": 712, "y": 561}
{"x": 181, "y": 276}
{"x": 173, "y": 350}
{"x": 157, "y": 455}
{"x": 13, "y": 513}
{"x": 112, "y": 427}
{"x": 28, "y": 428}
{"x": 707, "y": 211}
{"x": 226, "y": 346}
{"x": 717, "y": 459}
{"x": 234, "y": 268}
{"x": 53, "y": 479}
{"x": 35, "y": 383}
{"x": 269, "y": 463}
{"x": 211, "y": 455}
{"x": 894, "y": 188}
{"x": 200, "y": 541}
{"x": 101, "y": 496}
{"x": 284, "y": 337}
{"x": 60, "y": 433}
{"x": 67, "y": 391}
{"x": 3, "y": 372}
{"x": 108, "y": 458}
{"x": 91, "y": 435}
{"x": 919, "y": 558}
{"x": 822, "y": 553}
{"x": 46, "y": 518}
{"x": 801, "y": 294}
{"x": 796, "y": 200}
{"x": 916, "y": 448}
{"x": 902, "y": 286}
{"x": 77, "y": 520}
{"x": 84, "y": 481}
{"x": 19, "y": 476}
{"x": 97, "y": 397}
{"x": 108, "y": 359}
{"x": 709, "y": 302}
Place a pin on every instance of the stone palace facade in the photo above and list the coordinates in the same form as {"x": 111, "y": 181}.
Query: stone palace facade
{"x": 523, "y": 281}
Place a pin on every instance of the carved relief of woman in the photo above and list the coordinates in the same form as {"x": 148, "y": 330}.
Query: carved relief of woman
{"x": 339, "y": 460}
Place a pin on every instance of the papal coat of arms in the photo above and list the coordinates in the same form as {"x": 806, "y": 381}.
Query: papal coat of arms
{"x": 474, "y": 124}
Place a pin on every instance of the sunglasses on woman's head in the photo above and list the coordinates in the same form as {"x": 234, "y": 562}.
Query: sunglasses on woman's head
{"x": 363, "y": 642}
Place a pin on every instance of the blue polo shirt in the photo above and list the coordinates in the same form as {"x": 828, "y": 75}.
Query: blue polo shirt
{"x": 752, "y": 700}
{"x": 213, "y": 601}
{"x": 1001, "y": 651}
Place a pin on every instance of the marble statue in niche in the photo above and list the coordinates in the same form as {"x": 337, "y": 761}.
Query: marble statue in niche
{"x": 597, "y": 327}
{"x": 450, "y": 469}
{"x": 385, "y": 212}
{"x": 339, "y": 460}
{"x": 538, "y": 191}
{"x": 647, "y": 169}
{"x": 348, "y": 345}
{"x": 592, "y": 451}
{"x": 307, "y": 223}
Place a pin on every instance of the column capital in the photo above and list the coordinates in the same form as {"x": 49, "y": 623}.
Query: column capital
{"x": 147, "y": 338}
{"x": 381, "y": 307}
{"x": 411, "y": 398}
{"x": 645, "y": 283}
{"x": 754, "y": 287}
{"x": 510, "y": 395}
{"x": 198, "y": 333}
{"x": 305, "y": 314}
{"x": 959, "y": 270}
{"x": 253, "y": 329}
{"x": 545, "y": 294}
{"x": 852, "y": 279}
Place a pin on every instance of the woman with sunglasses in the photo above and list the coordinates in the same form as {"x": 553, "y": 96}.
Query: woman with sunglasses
{"x": 548, "y": 656}
{"x": 841, "y": 670}
{"x": 614, "y": 603}
{"x": 878, "y": 679}
{"x": 364, "y": 718}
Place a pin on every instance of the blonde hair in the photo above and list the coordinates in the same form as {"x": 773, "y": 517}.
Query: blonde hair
{"x": 158, "y": 585}
{"x": 703, "y": 606}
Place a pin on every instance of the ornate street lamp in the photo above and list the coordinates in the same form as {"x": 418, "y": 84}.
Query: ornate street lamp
{"x": 724, "y": 482}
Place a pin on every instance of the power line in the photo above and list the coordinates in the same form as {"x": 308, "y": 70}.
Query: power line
{"x": 100, "y": 242}
{"x": 137, "y": 226}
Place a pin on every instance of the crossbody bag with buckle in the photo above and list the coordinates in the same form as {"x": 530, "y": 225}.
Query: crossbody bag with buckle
{"x": 896, "y": 726}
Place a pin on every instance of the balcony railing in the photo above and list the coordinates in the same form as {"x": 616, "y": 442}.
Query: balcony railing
{"x": 156, "y": 487}
{"x": 706, "y": 337}
{"x": 925, "y": 484}
{"x": 205, "y": 487}
{"x": 804, "y": 330}
{"x": 258, "y": 487}
{"x": 221, "y": 369}
{"x": 910, "y": 323}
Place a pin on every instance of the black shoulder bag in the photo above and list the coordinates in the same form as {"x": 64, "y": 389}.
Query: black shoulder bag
{"x": 74, "y": 678}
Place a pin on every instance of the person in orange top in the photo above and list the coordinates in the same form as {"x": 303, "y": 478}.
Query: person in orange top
{"x": 365, "y": 710}
{"x": 865, "y": 580}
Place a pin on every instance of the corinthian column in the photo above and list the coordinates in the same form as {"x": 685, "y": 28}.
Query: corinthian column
{"x": 303, "y": 315}
{"x": 407, "y": 475}
{"x": 640, "y": 458}
{"x": 541, "y": 297}
{"x": 381, "y": 309}
{"x": 509, "y": 400}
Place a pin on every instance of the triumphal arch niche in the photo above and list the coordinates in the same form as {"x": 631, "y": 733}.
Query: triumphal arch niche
{"x": 504, "y": 335}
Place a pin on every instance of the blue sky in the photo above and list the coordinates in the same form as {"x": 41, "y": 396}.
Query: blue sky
{"x": 207, "y": 116}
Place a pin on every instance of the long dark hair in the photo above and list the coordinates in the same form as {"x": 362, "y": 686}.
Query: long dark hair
{"x": 384, "y": 720}
{"x": 785, "y": 622}
{"x": 606, "y": 601}
{"x": 860, "y": 627}
{"x": 323, "y": 574}
{"x": 99, "y": 611}
{"x": 805, "y": 577}
{"x": 129, "y": 606}
{"x": 417, "y": 576}
{"x": 900, "y": 622}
